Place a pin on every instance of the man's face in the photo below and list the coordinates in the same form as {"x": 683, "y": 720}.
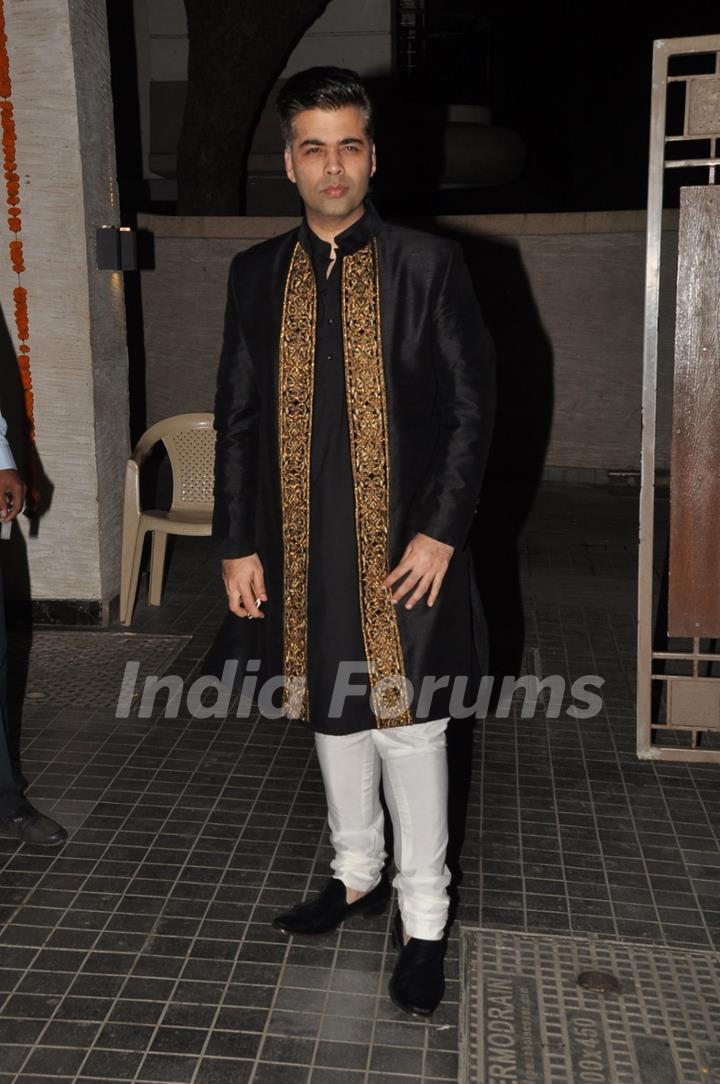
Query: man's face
{"x": 330, "y": 160}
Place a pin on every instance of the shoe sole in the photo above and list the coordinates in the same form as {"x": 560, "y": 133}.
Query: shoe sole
{"x": 370, "y": 911}
{"x": 411, "y": 1010}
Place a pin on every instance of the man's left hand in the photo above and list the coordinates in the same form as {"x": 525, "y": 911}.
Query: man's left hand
{"x": 425, "y": 562}
{"x": 12, "y": 495}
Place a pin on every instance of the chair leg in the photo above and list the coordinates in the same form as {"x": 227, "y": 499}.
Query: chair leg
{"x": 157, "y": 566}
{"x": 129, "y": 579}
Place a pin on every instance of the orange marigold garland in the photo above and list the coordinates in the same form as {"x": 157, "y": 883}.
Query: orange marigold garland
{"x": 14, "y": 221}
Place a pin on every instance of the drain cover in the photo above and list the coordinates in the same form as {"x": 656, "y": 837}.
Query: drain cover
{"x": 68, "y": 667}
{"x": 525, "y": 1019}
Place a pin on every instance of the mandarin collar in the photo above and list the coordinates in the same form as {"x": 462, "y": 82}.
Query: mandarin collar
{"x": 349, "y": 241}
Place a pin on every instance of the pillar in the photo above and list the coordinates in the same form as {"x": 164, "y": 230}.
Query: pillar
{"x": 62, "y": 107}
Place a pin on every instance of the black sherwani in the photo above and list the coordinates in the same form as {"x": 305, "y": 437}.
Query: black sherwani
{"x": 330, "y": 506}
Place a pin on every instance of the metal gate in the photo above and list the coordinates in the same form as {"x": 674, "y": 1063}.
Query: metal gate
{"x": 678, "y": 690}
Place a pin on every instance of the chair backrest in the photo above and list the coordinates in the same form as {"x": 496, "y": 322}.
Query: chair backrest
{"x": 190, "y": 443}
{"x": 190, "y": 446}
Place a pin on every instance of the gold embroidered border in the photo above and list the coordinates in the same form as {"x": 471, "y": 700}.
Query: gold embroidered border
{"x": 369, "y": 447}
{"x": 295, "y": 394}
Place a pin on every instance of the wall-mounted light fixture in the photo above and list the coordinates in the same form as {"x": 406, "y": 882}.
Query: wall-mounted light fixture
{"x": 116, "y": 248}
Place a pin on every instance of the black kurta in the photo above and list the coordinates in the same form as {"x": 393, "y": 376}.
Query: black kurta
{"x": 438, "y": 375}
{"x": 334, "y": 623}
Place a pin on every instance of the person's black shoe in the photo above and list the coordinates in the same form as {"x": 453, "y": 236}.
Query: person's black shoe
{"x": 418, "y": 983}
{"x": 327, "y": 910}
{"x": 29, "y": 825}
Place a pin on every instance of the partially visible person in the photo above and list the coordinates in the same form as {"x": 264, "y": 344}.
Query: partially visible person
{"x": 18, "y": 817}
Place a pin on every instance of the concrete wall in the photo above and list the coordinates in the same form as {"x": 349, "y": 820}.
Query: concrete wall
{"x": 66, "y": 161}
{"x": 585, "y": 273}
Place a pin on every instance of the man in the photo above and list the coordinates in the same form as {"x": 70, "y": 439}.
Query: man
{"x": 18, "y": 817}
{"x": 353, "y": 416}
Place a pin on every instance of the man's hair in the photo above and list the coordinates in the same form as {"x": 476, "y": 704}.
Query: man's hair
{"x": 322, "y": 88}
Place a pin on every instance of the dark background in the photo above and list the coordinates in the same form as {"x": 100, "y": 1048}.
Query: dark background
{"x": 571, "y": 80}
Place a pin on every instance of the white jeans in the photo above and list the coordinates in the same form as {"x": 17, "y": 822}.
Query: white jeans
{"x": 413, "y": 763}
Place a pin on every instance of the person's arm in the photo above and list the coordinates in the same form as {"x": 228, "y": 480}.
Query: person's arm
{"x": 6, "y": 457}
{"x": 237, "y": 419}
{"x": 442, "y": 510}
{"x": 444, "y": 506}
{"x": 12, "y": 487}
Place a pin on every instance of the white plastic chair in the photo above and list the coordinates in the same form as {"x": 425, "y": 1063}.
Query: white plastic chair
{"x": 190, "y": 443}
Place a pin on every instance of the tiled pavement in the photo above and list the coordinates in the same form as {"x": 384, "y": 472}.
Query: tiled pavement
{"x": 142, "y": 950}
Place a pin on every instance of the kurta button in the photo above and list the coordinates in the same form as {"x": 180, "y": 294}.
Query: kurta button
{"x": 330, "y": 357}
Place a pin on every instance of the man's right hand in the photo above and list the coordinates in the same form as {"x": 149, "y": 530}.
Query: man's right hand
{"x": 244, "y": 584}
{"x": 12, "y": 495}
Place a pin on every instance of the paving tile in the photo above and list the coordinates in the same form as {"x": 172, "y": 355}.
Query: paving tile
{"x": 341, "y": 1055}
{"x": 144, "y": 948}
{"x": 224, "y": 1071}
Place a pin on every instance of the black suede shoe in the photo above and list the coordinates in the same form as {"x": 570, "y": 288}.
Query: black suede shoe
{"x": 418, "y": 983}
{"x": 330, "y": 908}
{"x": 29, "y": 825}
